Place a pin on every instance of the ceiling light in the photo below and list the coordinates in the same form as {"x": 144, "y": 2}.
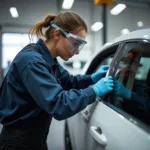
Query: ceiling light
{"x": 140, "y": 24}
{"x": 77, "y": 64}
{"x": 118, "y": 9}
{"x": 14, "y": 12}
{"x": 96, "y": 26}
{"x": 125, "y": 31}
{"x": 67, "y": 4}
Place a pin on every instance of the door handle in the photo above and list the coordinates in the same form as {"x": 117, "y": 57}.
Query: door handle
{"x": 98, "y": 136}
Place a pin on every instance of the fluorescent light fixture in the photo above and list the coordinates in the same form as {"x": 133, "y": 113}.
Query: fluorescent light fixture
{"x": 140, "y": 24}
{"x": 67, "y": 4}
{"x": 77, "y": 64}
{"x": 125, "y": 31}
{"x": 14, "y": 12}
{"x": 118, "y": 9}
{"x": 96, "y": 26}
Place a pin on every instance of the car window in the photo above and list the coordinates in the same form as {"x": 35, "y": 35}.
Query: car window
{"x": 133, "y": 74}
{"x": 106, "y": 61}
{"x": 103, "y": 57}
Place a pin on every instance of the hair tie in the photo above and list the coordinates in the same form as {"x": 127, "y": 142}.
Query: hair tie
{"x": 50, "y": 24}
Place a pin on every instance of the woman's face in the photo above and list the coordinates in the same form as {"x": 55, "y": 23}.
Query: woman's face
{"x": 64, "y": 47}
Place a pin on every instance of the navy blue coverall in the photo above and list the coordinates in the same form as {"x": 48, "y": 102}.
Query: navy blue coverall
{"x": 36, "y": 89}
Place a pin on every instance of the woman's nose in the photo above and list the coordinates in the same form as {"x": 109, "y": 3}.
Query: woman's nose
{"x": 77, "y": 52}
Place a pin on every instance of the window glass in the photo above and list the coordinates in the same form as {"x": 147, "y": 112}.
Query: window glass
{"x": 132, "y": 82}
{"x": 11, "y": 39}
{"x": 25, "y": 39}
{"x": 9, "y": 52}
{"x": 106, "y": 61}
{"x": 12, "y": 43}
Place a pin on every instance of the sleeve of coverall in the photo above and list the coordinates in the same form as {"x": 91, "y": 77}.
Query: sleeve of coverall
{"x": 50, "y": 96}
{"x": 77, "y": 82}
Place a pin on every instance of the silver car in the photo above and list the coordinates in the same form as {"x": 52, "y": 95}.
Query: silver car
{"x": 114, "y": 123}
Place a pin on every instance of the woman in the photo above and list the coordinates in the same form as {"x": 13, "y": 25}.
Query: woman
{"x": 37, "y": 88}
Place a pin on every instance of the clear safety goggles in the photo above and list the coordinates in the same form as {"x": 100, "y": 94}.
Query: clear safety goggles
{"x": 77, "y": 42}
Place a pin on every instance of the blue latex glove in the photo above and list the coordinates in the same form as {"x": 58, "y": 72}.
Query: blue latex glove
{"x": 103, "y": 86}
{"x": 121, "y": 91}
{"x": 100, "y": 73}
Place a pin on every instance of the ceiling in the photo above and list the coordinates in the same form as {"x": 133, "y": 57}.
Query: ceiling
{"x": 31, "y": 11}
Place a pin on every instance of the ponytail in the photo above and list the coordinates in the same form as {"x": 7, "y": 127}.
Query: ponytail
{"x": 68, "y": 21}
{"x": 38, "y": 27}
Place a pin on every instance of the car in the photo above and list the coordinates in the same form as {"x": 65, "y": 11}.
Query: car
{"x": 112, "y": 122}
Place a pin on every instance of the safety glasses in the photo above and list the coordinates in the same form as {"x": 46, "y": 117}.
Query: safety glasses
{"x": 77, "y": 42}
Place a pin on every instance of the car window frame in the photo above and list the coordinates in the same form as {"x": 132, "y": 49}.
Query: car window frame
{"x": 117, "y": 56}
{"x": 110, "y": 50}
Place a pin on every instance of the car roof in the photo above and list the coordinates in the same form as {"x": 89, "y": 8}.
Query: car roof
{"x": 143, "y": 34}
{"x": 138, "y": 34}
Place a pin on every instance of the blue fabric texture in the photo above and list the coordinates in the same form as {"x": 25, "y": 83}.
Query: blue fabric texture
{"x": 33, "y": 85}
{"x": 100, "y": 73}
{"x": 103, "y": 86}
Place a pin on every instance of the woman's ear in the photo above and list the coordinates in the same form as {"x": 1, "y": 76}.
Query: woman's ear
{"x": 57, "y": 34}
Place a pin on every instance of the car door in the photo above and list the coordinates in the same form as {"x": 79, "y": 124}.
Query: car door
{"x": 78, "y": 124}
{"x": 114, "y": 123}
{"x": 118, "y": 123}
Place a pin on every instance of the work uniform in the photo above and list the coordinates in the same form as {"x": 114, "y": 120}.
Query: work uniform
{"x": 36, "y": 89}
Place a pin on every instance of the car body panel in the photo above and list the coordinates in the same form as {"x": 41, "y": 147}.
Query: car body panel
{"x": 122, "y": 131}
{"x": 138, "y": 34}
{"x": 124, "y": 134}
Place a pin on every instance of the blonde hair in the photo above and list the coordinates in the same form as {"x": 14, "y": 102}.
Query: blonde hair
{"x": 68, "y": 21}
